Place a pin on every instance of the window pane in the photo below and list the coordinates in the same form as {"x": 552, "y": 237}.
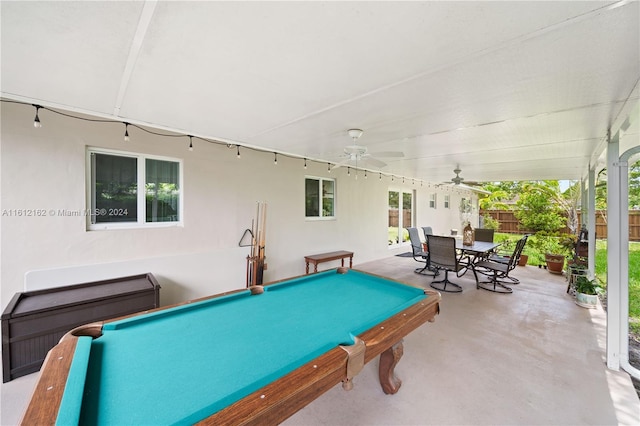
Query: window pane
{"x": 394, "y": 222}
{"x": 162, "y": 191}
{"x": 407, "y": 220}
{"x": 327, "y": 198}
{"x": 115, "y": 188}
{"x": 312, "y": 197}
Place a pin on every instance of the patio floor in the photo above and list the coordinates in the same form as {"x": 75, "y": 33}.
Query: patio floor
{"x": 532, "y": 357}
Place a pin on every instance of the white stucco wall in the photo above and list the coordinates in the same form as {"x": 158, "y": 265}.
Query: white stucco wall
{"x": 45, "y": 169}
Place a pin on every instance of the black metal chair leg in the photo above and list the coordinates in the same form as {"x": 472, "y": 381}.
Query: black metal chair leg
{"x": 445, "y": 281}
{"x": 431, "y": 271}
{"x": 498, "y": 287}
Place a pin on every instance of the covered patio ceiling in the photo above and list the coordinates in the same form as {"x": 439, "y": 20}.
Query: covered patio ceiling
{"x": 504, "y": 90}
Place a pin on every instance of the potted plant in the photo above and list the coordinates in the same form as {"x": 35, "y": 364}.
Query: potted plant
{"x": 524, "y": 257}
{"x": 586, "y": 292}
{"x": 555, "y": 248}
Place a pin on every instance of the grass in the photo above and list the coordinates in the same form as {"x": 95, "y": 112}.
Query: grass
{"x": 634, "y": 280}
{"x": 601, "y": 273}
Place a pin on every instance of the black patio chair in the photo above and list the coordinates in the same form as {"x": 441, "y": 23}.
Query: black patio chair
{"x": 419, "y": 255}
{"x": 498, "y": 270}
{"x": 484, "y": 234}
{"x": 427, "y": 230}
{"x": 444, "y": 257}
{"x": 503, "y": 256}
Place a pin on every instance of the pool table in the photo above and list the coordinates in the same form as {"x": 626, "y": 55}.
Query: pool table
{"x": 251, "y": 356}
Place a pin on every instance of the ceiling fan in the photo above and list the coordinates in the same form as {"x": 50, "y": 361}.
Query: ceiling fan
{"x": 358, "y": 155}
{"x": 457, "y": 181}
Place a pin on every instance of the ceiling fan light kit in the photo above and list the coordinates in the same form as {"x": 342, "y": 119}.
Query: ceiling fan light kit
{"x": 355, "y": 133}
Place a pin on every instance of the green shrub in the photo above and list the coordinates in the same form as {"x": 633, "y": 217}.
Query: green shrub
{"x": 490, "y": 223}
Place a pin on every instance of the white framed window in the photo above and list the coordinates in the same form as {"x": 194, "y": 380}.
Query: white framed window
{"x": 114, "y": 198}
{"x": 447, "y": 201}
{"x": 433, "y": 200}
{"x": 319, "y": 198}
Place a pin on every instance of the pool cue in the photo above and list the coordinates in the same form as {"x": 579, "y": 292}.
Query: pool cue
{"x": 261, "y": 241}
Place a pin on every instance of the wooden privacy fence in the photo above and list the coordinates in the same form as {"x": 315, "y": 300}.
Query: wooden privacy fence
{"x": 393, "y": 217}
{"x": 510, "y": 225}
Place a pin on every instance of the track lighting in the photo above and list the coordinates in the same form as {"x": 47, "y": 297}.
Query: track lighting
{"x": 275, "y": 158}
{"x": 126, "y": 132}
{"x": 365, "y": 174}
{"x": 329, "y": 167}
{"x": 380, "y": 176}
{"x": 190, "y": 143}
{"x": 238, "y": 152}
{"x": 348, "y": 171}
{"x": 305, "y": 164}
{"x": 36, "y": 120}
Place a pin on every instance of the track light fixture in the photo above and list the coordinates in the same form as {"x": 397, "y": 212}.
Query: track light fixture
{"x": 36, "y": 120}
{"x": 238, "y": 152}
{"x": 126, "y": 132}
{"x": 329, "y": 167}
{"x": 305, "y": 164}
{"x": 275, "y": 158}
{"x": 348, "y": 171}
{"x": 190, "y": 143}
{"x": 365, "y": 174}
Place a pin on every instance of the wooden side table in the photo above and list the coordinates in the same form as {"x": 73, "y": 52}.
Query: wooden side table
{"x": 327, "y": 257}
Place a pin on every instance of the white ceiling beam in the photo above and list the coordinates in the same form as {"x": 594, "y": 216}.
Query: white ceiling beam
{"x": 136, "y": 44}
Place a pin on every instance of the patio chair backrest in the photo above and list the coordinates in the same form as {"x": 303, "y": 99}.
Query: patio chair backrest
{"x": 517, "y": 252}
{"x": 414, "y": 237}
{"x": 442, "y": 251}
{"x": 484, "y": 234}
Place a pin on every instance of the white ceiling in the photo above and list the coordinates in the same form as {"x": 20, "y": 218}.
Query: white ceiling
{"x": 506, "y": 90}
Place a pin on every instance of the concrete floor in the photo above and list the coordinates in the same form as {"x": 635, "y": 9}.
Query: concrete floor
{"x": 532, "y": 357}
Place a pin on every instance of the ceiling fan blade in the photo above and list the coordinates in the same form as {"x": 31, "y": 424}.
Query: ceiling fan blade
{"x": 374, "y": 162}
{"x": 473, "y": 188}
{"x": 338, "y": 165}
{"x": 395, "y": 154}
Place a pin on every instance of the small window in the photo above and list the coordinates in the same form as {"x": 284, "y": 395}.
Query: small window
{"x": 447, "y": 201}
{"x": 319, "y": 197}
{"x": 115, "y": 198}
{"x": 432, "y": 201}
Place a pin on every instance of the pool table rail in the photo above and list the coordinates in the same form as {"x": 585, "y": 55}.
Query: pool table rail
{"x": 272, "y": 403}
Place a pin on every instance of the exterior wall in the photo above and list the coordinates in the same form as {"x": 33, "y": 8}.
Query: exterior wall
{"x": 45, "y": 169}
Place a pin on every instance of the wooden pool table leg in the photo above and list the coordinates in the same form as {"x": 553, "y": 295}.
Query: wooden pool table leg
{"x": 388, "y": 360}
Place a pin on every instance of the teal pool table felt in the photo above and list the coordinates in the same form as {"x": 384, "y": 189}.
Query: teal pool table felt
{"x": 182, "y": 364}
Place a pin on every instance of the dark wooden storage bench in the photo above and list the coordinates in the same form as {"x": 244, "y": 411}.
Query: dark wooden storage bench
{"x": 34, "y": 321}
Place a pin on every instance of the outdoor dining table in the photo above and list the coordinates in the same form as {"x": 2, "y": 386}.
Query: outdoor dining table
{"x": 476, "y": 251}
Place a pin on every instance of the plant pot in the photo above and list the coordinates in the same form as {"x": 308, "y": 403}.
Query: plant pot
{"x": 523, "y": 260}
{"x": 555, "y": 263}
{"x": 589, "y": 301}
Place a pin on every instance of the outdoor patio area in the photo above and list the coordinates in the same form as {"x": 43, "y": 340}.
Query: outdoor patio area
{"x": 530, "y": 357}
